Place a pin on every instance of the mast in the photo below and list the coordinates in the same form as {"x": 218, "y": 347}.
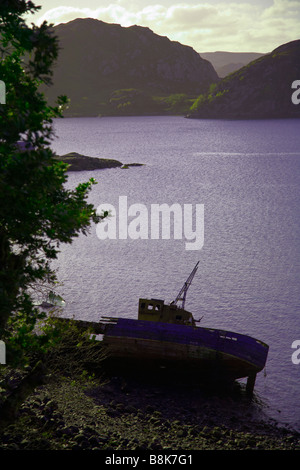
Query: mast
{"x": 182, "y": 294}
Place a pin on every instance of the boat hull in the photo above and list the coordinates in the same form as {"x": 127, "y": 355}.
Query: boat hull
{"x": 214, "y": 352}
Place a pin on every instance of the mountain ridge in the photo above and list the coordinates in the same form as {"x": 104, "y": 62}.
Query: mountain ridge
{"x": 260, "y": 90}
{"x": 225, "y": 62}
{"x": 98, "y": 59}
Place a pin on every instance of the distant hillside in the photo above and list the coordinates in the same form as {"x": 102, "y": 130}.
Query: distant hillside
{"x": 228, "y": 62}
{"x": 262, "y": 89}
{"x": 107, "y": 69}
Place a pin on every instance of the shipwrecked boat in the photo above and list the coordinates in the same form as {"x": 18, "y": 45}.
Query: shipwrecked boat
{"x": 166, "y": 336}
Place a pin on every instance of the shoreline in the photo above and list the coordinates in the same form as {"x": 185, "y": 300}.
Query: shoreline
{"x": 74, "y": 404}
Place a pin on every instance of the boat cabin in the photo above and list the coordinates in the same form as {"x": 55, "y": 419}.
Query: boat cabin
{"x": 157, "y": 310}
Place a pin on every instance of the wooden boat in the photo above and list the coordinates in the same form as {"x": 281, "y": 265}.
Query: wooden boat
{"x": 166, "y": 336}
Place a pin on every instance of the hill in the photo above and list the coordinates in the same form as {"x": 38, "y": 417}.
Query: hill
{"x": 262, "y": 89}
{"x": 108, "y": 69}
{"x": 228, "y": 62}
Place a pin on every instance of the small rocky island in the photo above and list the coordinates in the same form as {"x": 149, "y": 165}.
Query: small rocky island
{"x": 80, "y": 162}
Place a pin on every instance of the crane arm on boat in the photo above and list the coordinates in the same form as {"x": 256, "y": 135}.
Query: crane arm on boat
{"x": 182, "y": 294}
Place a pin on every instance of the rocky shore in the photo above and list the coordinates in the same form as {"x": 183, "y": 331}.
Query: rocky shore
{"x": 73, "y": 404}
{"x": 78, "y": 162}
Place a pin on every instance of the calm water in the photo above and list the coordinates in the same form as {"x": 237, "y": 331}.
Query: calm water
{"x": 247, "y": 176}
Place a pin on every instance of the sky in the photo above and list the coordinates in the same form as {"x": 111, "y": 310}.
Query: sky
{"x": 207, "y": 26}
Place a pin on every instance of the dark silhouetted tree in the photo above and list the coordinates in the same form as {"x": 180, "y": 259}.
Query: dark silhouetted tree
{"x": 37, "y": 212}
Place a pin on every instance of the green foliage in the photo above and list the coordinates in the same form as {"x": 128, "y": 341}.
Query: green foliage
{"x": 198, "y": 102}
{"x": 30, "y": 333}
{"x": 175, "y": 99}
{"x": 129, "y": 101}
{"x": 212, "y": 95}
{"x": 177, "y": 103}
{"x": 37, "y": 212}
{"x": 212, "y": 88}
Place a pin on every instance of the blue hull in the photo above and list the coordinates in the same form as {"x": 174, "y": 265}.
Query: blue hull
{"x": 230, "y": 354}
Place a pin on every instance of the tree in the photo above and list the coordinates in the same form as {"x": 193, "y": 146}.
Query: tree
{"x": 37, "y": 212}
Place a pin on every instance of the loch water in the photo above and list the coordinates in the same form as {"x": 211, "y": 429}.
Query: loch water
{"x": 246, "y": 177}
